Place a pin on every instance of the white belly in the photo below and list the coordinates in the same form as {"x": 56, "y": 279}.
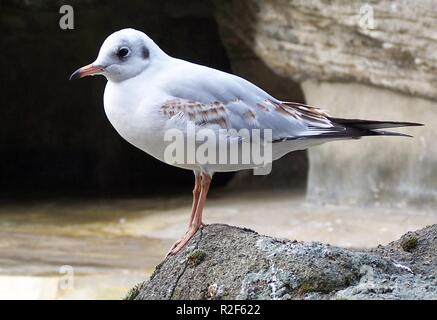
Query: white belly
{"x": 138, "y": 121}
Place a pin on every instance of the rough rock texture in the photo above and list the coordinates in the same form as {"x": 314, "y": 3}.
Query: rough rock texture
{"x": 417, "y": 249}
{"x": 347, "y": 55}
{"x": 338, "y": 40}
{"x": 224, "y": 262}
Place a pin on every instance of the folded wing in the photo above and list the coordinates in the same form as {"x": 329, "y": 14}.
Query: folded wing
{"x": 218, "y": 100}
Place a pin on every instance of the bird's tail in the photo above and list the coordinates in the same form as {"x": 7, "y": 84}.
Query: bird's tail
{"x": 353, "y": 129}
{"x": 360, "y": 128}
{"x": 372, "y": 124}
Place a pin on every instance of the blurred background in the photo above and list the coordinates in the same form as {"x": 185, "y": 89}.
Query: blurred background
{"x": 83, "y": 214}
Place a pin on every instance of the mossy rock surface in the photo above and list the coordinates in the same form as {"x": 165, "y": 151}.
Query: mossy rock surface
{"x": 225, "y": 262}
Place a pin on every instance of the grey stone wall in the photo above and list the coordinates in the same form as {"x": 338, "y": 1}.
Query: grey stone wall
{"x": 372, "y": 60}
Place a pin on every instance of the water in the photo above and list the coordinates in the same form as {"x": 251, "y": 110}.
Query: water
{"x": 113, "y": 244}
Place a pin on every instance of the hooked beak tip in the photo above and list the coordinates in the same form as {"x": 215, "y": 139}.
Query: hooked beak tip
{"x": 88, "y": 70}
{"x": 75, "y": 75}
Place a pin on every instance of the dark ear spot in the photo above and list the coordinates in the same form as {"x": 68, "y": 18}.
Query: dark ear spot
{"x": 146, "y": 52}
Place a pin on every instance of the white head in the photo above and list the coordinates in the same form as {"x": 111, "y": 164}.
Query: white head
{"x": 123, "y": 55}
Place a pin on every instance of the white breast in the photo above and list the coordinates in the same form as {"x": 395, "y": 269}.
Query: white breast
{"x": 134, "y": 115}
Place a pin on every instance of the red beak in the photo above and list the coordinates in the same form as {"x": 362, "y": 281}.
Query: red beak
{"x": 88, "y": 70}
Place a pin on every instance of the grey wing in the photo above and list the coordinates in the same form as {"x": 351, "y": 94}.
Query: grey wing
{"x": 213, "y": 98}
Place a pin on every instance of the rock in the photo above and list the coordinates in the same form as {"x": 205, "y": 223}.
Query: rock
{"x": 375, "y": 43}
{"x": 360, "y": 60}
{"x": 225, "y": 262}
{"x": 417, "y": 250}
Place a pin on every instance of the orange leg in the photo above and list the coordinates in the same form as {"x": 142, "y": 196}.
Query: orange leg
{"x": 196, "y": 195}
{"x": 196, "y": 221}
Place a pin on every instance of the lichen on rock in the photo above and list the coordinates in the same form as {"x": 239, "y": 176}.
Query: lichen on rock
{"x": 225, "y": 262}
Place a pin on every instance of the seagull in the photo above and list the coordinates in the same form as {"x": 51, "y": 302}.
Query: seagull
{"x": 149, "y": 93}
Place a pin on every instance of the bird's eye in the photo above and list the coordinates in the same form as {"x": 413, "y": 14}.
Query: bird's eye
{"x": 123, "y": 52}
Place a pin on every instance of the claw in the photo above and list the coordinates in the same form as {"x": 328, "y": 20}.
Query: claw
{"x": 178, "y": 245}
{"x": 172, "y": 247}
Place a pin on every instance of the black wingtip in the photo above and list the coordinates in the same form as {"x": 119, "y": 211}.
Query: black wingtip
{"x": 373, "y": 124}
{"x": 410, "y": 124}
{"x": 392, "y": 134}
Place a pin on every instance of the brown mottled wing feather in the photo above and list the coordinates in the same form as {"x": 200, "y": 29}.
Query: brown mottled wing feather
{"x": 286, "y": 119}
{"x": 304, "y": 112}
{"x": 199, "y": 113}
